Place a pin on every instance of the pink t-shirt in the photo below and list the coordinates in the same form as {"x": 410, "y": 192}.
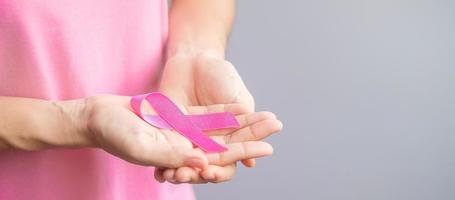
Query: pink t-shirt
{"x": 66, "y": 49}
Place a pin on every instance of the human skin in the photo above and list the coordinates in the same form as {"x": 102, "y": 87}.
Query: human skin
{"x": 108, "y": 122}
{"x": 196, "y": 73}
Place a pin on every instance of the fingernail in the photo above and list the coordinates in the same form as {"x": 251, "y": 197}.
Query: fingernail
{"x": 253, "y": 163}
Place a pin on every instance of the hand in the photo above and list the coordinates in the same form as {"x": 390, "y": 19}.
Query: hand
{"x": 115, "y": 128}
{"x": 206, "y": 80}
{"x": 254, "y": 126}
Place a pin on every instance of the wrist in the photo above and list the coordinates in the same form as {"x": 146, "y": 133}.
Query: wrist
{"x": 193, "y": 50}
{"x": 195, "y": 56}
{"x": 75, "y": 115}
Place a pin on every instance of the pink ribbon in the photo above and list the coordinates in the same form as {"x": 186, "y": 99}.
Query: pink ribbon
{"x": 191, "y": 126}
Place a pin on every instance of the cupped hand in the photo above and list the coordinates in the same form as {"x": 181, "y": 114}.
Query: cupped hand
{"x": 115, "y": 128}
{"x": 222, "y": 167}
{"x": 205, "y": 80}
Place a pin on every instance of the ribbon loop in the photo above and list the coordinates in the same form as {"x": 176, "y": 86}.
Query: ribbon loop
{"x": 190, "y": 126}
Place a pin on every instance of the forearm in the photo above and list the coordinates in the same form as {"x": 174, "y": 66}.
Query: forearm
{"x": 199, "y": 27}
{"x": 33, "y": 124}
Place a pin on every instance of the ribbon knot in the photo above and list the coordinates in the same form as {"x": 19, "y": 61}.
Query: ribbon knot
{"x": 190, "y": 126}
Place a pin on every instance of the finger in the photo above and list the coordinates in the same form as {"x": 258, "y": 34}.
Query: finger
{"x": 218, "y": 174}
{"x": 189, "y": 175}
{"x": 168, "y": 175}
{"x": 256, "y": 131}
{"x": 245, "y": 120}
{"x": 168, "y": 156}
{"x": 212, "y": 173}
{"x": 186, "y": 174}
{"x": 158, "y": 173}
{"x": 183, "y": 175}
{"x": 240, "y": 151}
{"x": 235, "y": 109}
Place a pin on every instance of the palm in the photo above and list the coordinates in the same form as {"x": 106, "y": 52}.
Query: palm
{"x": 204, "y": 81}
{"x": 122, "y": 133}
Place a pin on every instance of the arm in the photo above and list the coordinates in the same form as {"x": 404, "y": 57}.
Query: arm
{"x": 33, "y": 124}
{"x": 196, "y": 72}
{"x": 107, "y": 122}
{"x": 199, "y": 27}
{"x": 102, "y": 121}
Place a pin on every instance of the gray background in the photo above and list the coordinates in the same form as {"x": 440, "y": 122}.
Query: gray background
{"x": 365, "y": 93}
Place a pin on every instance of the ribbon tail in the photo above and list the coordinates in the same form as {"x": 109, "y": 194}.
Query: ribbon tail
{"x": 205, "y": 122}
